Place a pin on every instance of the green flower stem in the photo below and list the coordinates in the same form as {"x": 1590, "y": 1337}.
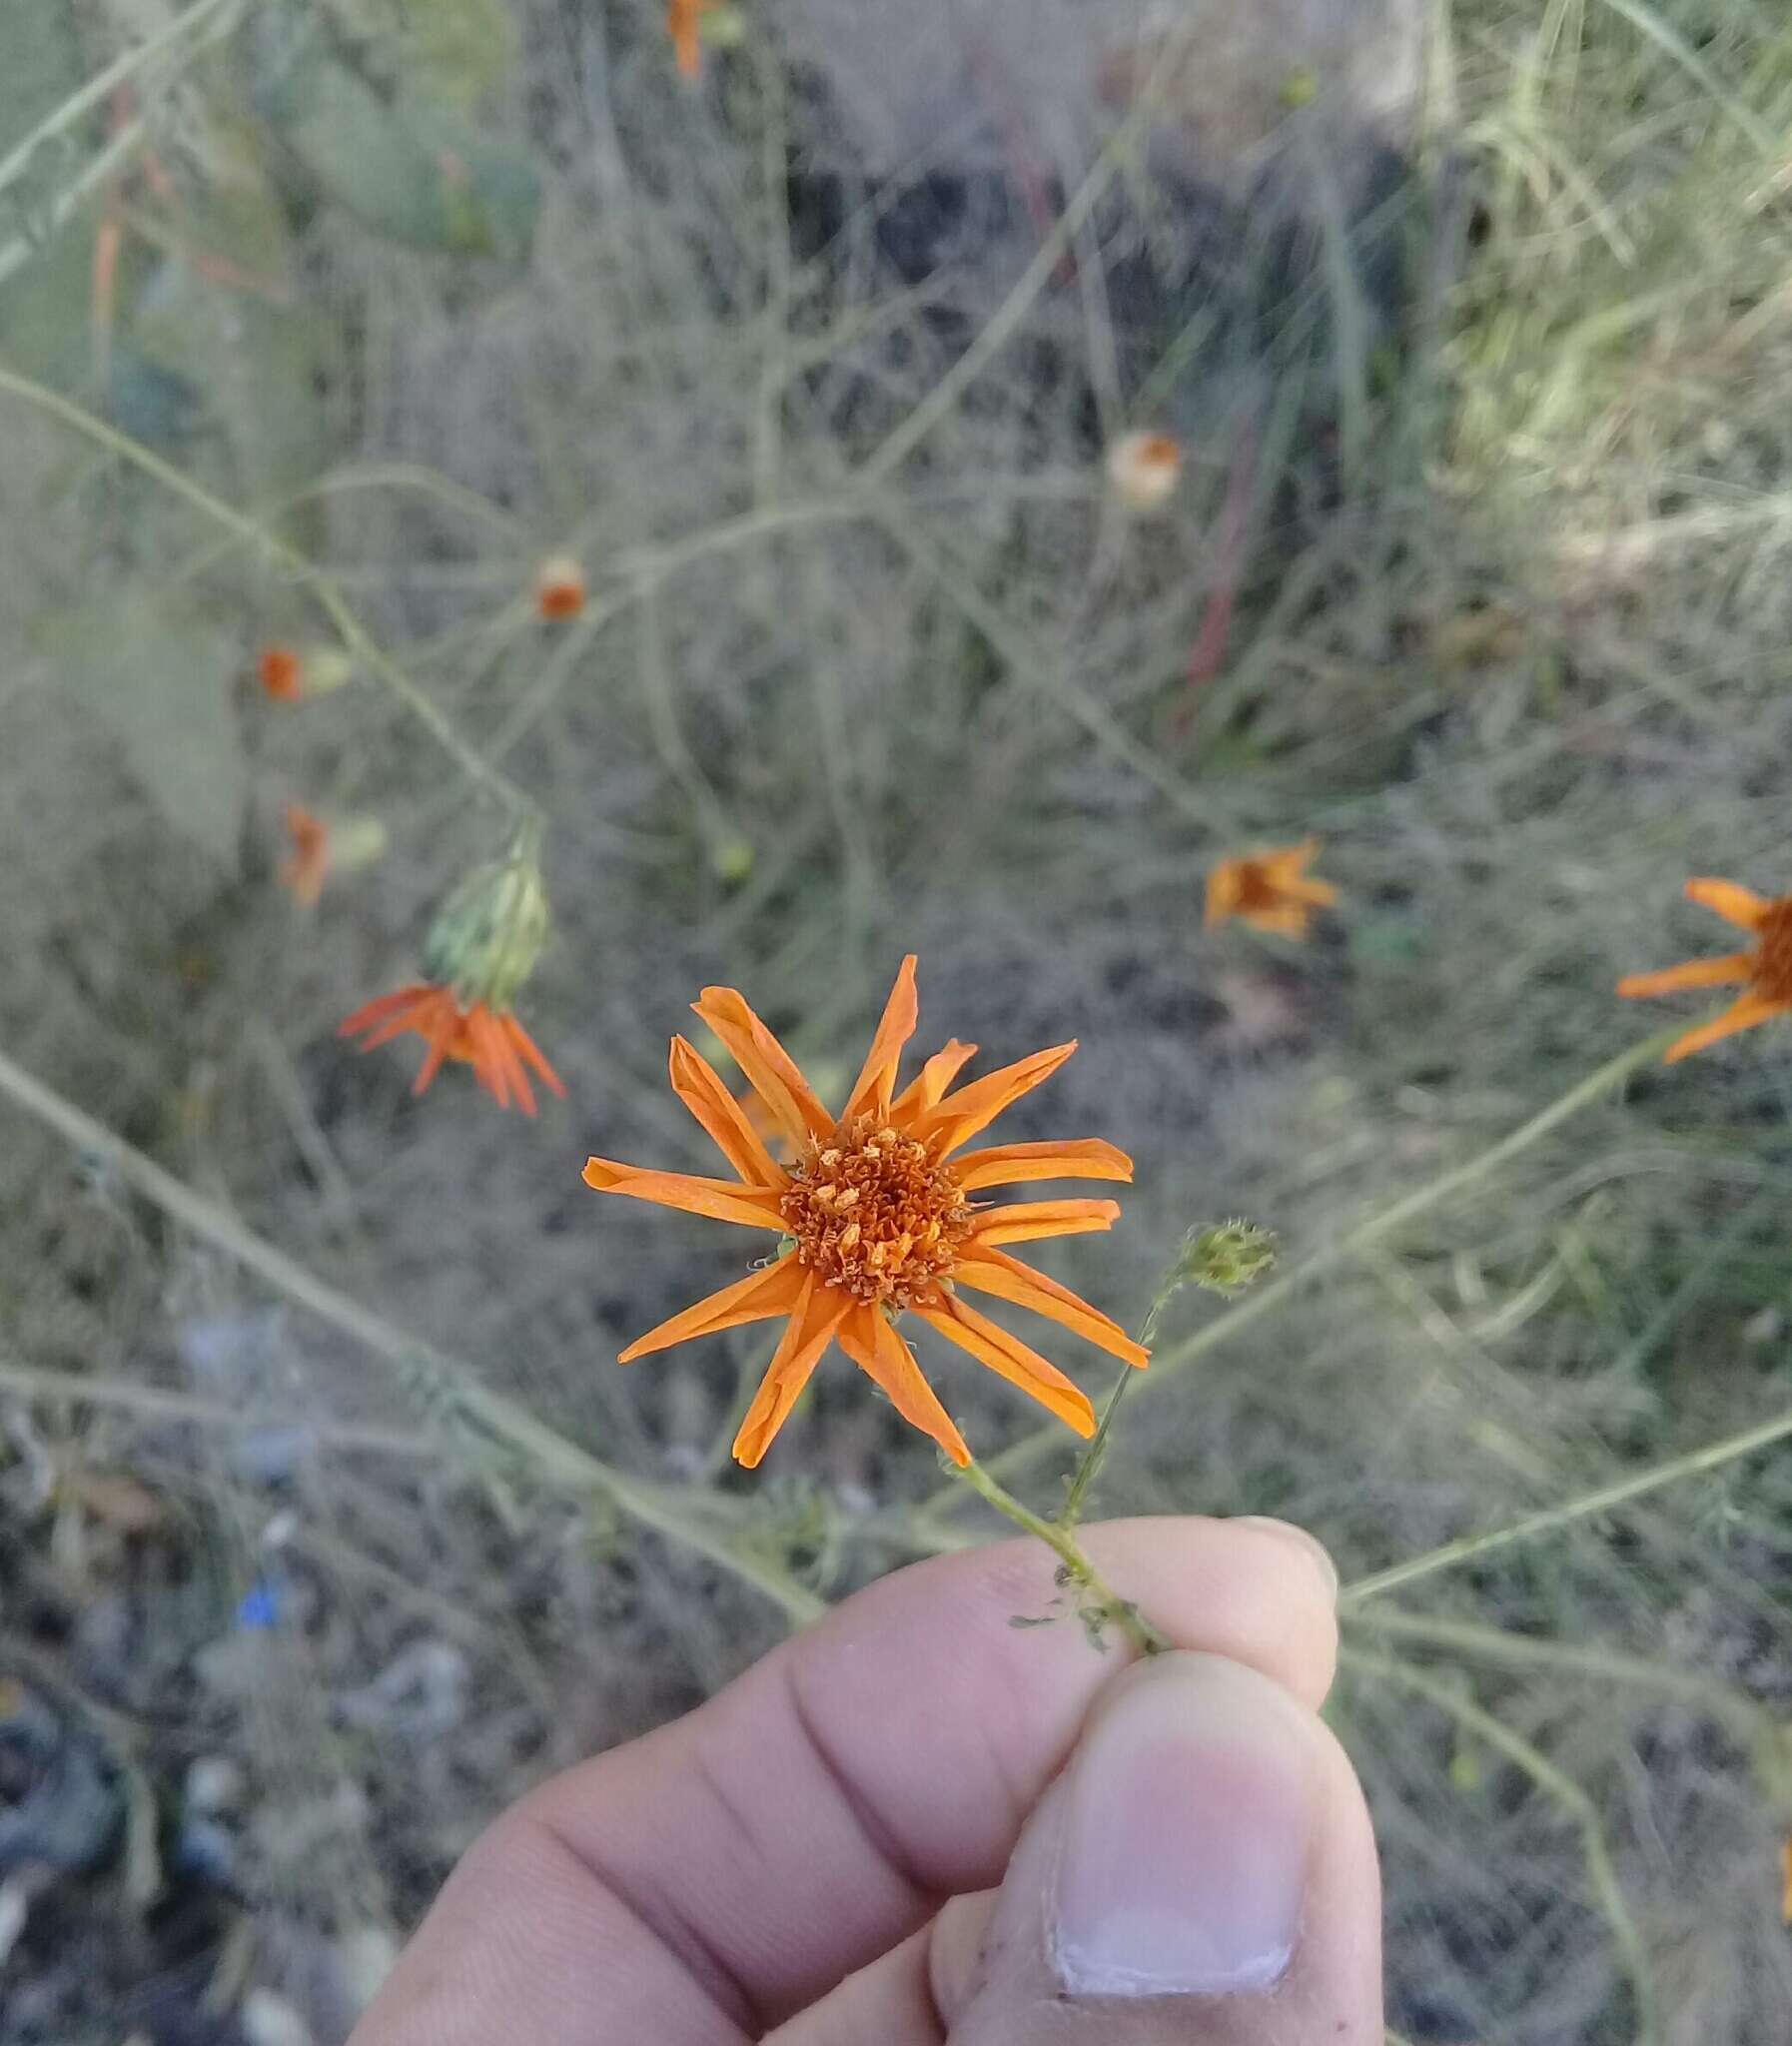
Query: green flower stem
{"x": 1100, "y": 1601}
{"x": 1172, "y": 1361}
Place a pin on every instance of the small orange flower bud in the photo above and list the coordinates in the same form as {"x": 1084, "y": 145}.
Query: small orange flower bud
{"x": 1144, "y": 470}
{"x": 282, "y": 674}
{"x": 322, "y": 848}
{"x": 287, "y": 674}
{"x": 559, "y": 588}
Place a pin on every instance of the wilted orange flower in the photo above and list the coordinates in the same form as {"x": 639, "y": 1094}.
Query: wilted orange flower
{"x": 282, "y": 673}
{"x": 488, "y": 1039}
{"x": 306, "y": 869}
{"x": 1270, "y": 891}
{"x": 880, "y": 1217}
{"x": 1144, "y": 470}
{"x": 1765, "y": 969}
{"x": 559, "y": 588}
{"x": 681, "y": 26}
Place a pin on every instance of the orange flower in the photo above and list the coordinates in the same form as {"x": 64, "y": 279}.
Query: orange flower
{"x": 307, "y": 867}
{"x": 681, "y": 26}
{"x": 488, "y": 1039}
{"x": 559, "y": 588}
{"x": 1765, "y": 969}
{"x": 282, "y": 673}
{"x": 880, "y": 1217}
{"x": 1271, "y": 891}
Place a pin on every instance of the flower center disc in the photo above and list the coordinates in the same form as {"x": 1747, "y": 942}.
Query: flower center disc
{"x": 874, "y": 1215}
{"x": 1773, "y": 963}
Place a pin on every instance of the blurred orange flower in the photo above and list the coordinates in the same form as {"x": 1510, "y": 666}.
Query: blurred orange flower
{"x": 488, "y": 1039}
{"x": 1270, "y": 891}
{"x": 681, "y": 26}
{"x": 880, "y": 1218}
{"x": 1144, "y": 470}
{"x": 559, "y": 588}
{"x": 1764, "y": 970}
{"x": 307, "y": 867}
{"x": 282, "y": 674}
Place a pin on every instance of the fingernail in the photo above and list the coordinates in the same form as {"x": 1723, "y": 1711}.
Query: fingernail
{"x": 1309, "y": 1546}
{"x": 1183, "y": 1865}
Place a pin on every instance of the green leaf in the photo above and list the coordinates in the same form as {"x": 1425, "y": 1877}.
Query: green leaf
{"x": 411, "y": 168}
{"x": 159, "y": 679}
{"x": 454, "y": 51}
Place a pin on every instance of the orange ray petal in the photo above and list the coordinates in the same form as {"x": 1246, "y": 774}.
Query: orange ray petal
{"x": 1725, "y": 972}
{"x": 721, "y": 1199}
{"x": 960, "y": 1116}
{"x": 774, "y": 1073}
{"x": 1302, "y": 888}
{"x": 871, "y": 1091}
{"x": 1225, "y": 891}
{"x": 923, "y": 1092}
{"x": 1733, "y": 902}
{"x": 699, "y": 1086}
{"x": 526, "y": 1048}
{"x": 885, "y": 1359}
{"x": 383, "y": 1008}
{"x": 1288, "y": 862}
{"x": 498, "y": 1056}
{"x": 1008, "y": 1279}
{"x": 815, "y": 1324}
{"x": 1740, "y": 1015}
{"x": 1022, "y": 1221}
{"x": 760, "y": 1297}
{"x": 1008, "y": 1358}
{"x": 437, "y": 1025}
{"x": 1007, "y": 1165}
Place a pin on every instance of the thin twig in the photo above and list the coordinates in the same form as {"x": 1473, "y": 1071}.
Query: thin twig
{"x": 1601, "y": 1872}
{"x": 562, "y": 1461}
{"x": 1602, "y": 1499}
{"x": 354, "y": 635}
{"x": 1384, "y": 1222}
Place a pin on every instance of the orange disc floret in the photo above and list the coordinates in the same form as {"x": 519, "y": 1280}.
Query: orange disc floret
{"x": 282, "y": 674}
{"x": 1764, "y": 971}
{"x": 879, "y": 1218}
{"x": 1270, "y": 891}
{"x": 489, "y": 1040}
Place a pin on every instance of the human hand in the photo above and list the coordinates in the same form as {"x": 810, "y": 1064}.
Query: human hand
{"x": 916, "y": 1824}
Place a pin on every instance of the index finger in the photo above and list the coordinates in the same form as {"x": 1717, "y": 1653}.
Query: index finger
{"x": 703, "y": 1882}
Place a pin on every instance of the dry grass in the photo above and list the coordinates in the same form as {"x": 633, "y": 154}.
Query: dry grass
{"x": 1514, "y": 609}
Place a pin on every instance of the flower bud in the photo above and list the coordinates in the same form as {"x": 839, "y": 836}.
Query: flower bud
{"x": 488, "y": 935}
{"x": 1229, "y": 1257}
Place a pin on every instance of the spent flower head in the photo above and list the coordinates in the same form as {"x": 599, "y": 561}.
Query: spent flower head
{"x": 1229, "y": 1257}
{"x": 481, "y": 950}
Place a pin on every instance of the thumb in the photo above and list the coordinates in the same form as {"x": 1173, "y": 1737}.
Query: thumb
{"x": 1203, "y": 1873}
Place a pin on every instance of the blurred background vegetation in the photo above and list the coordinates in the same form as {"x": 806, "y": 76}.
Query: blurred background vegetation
{"x": 322, "y": 323}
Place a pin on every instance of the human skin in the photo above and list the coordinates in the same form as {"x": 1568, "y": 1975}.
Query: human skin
{"x": 918, "y": 1824}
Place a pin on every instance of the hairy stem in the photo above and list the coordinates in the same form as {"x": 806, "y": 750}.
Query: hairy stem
{"x": 1098, "y": 1599}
